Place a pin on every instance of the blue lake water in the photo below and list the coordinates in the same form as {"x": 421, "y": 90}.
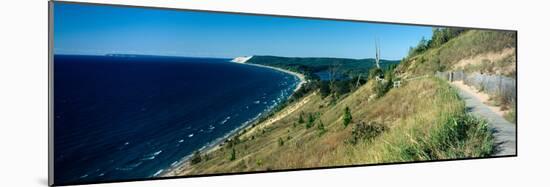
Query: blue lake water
{"x": 326, "y": 75}
{"x": 122, "y": 118}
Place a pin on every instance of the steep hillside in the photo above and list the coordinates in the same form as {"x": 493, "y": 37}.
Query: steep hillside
{"x": 422, "y": 120}
{"x": 482, "y": 51}
{"x": 419, "y": 118}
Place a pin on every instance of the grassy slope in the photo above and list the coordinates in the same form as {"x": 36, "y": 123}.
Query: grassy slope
{"x": 417, "y": 118}
{"x": 424, "y": 119}
{"x": 487, "y": 52}
{"x": 472, "y": 44}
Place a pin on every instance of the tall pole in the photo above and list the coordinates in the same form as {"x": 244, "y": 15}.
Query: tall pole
{"x": 377, "y": 60}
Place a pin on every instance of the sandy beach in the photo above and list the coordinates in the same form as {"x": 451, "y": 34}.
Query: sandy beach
{"x": 300, "y": 76}
{"x": 179, "y": 168}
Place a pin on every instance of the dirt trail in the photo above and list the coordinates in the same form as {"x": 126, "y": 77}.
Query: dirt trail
{"x": 504, "y": 132}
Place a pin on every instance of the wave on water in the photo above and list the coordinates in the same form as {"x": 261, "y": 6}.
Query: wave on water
{"x": 172, "y": 124}
{"x": 129, "y": 167}
{"x": 158, "y": 172}
{"x": 225, "y": 120}
{"x": 151, "y": 156}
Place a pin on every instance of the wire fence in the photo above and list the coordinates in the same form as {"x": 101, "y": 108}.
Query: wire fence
{"x": 495, "y": 85}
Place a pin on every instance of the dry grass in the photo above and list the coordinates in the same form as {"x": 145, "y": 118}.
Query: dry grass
{"x": 424, "y": 119}
{"x": 421, "y": 120}
{"x": 476, "y": 50}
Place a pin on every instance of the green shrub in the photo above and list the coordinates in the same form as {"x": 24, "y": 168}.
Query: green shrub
{"x": 511, "y": 115}
{"x": 382, "y": 87}
{"x": 233, "y": 155}
{"x": 301, "y": 118}
{"x": 375, "y": 72}
{"x": 196, "y": 158}
{"x": 346, "y": 119}
{"x": 324, "y": 89}
{"x": 310, "y": 121}
{"x": 259, "y": 162}
{"x": 365, "y": 132}
{"x": 321, "y": 128}
{"x": 460, "y": 136}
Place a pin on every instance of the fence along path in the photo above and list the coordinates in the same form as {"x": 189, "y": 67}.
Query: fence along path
{"x": 504, "y": 132}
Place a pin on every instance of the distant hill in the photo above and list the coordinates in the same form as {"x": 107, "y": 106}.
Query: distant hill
{"x": 311, "y": 65}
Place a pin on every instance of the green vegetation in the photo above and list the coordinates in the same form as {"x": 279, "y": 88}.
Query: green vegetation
{"x": 233, "y": 155}
{"x": 382, "y": 87}
{"x": 511, "y": 115}
{"x": 472, "y": 51}
{"x": 439, "y": 37}
{"x": 196, "y": 158}
{"x": 301, "y": 119}
{"x": 427, "y": 58}
{"x": 456, "y": 134}
{"x": 344, "y": 73}
{"x": 422, "y": 119}
{"x": 281, "y": 141}
{"x": 321, "y": 128}
{"x": 346, "y": 119}
{"x": 365, "y": 132}
{"x": 310, "y": 121}
{"x": 310, "y": 66}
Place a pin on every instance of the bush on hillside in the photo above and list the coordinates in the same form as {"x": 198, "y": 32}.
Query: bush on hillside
{"x": 346, "y": 119}
{"x": 196, "y": 158}
{"x": 233, "y": 155}
{"x": 310, "y": 121}
{"x": 321, "y": 128}
{"x": 365, "y": 132}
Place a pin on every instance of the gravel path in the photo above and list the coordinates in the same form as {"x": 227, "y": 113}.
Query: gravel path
{"x": 504, "y": 132}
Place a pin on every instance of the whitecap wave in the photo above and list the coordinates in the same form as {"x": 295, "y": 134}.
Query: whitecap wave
{"x": 158, "y": 172}
{"x": 151, "y": 156}
{"x": 225, "y": 120}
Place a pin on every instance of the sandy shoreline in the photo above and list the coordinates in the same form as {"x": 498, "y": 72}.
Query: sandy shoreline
{"x": 182, "y": 164}
{"x": 300, "y": 76}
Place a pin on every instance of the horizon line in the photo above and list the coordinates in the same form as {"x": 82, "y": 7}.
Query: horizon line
{"x": 136, "y": 54}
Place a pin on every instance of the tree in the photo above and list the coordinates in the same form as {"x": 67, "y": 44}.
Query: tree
{"x": 233, "y": 155}
{"x": 324, "y": 88}
{"x": 341, "y": 87}
{"x": 196, "y": 158}
{"x": 375, "y": 72}
{"x": 281, "y": 142}
{"x": 321, "y": 127}
{"x": 310, "y": 121}
{"x": 301, "y": 119}
{"x": 382, "y": 87}
{"x": 347, "y": 117}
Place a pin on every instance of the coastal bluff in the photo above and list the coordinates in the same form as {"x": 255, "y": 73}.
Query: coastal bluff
{"x": 241, "y": 59}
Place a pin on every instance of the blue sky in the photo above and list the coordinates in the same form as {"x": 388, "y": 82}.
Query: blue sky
{"x": 98, "y": 30}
